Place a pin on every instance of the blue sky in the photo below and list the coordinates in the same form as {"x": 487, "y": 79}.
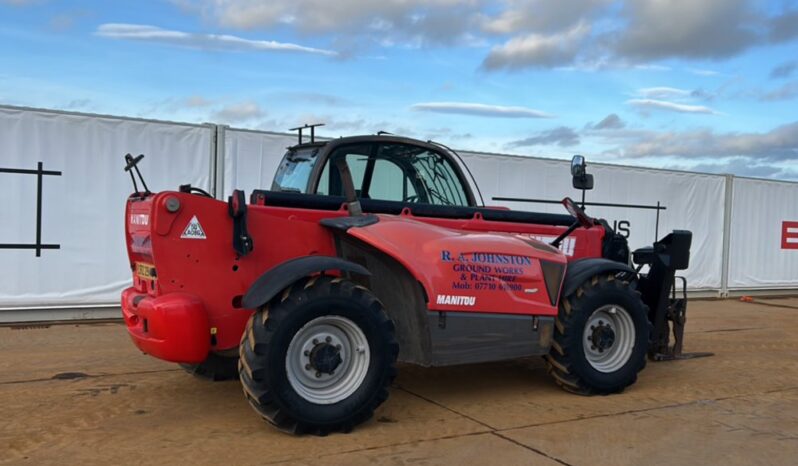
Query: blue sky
{"x": 710, "y": 85}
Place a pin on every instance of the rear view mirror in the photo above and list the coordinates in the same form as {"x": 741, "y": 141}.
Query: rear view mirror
{"x": 577, "y": 165}
{"x": 583, "y": 182}
{"x": 581, "y": 179}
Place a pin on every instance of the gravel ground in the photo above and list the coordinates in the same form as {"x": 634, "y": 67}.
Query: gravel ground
{"x": 117, "y": 406}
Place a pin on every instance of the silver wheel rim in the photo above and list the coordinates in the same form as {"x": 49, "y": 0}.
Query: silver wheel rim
{"x": 327, "y": 333}
{"x": 609, "y": 338}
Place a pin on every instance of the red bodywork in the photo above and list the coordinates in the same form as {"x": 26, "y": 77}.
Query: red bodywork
{"x": 193, "y": 303}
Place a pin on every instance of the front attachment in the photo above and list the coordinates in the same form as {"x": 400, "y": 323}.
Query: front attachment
{"x": 667, "y": 313}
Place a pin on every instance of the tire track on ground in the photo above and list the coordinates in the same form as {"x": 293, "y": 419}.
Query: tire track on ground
{"x": 67, "y": 376}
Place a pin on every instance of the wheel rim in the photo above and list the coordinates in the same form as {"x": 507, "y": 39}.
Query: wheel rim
{"x": 327, "y": 359}
{"x": 609, "y": 338}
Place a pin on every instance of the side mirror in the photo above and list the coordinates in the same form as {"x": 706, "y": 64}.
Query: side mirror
{"x": 578, "y": 165}
{"x": 583, "y": 182}
{"x": 581, "y": 179}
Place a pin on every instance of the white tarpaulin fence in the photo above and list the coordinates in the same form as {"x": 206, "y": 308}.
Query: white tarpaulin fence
{"x": 251, "y": 158}
{"x": 82, "y": 208}
{"x": 692, "y": 202}
{"x": 764, "y": 234}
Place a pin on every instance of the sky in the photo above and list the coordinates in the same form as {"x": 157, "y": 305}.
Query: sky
{"x": 705, "y": 85}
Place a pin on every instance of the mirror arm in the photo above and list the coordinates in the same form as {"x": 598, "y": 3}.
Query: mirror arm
{"x": 563, "y": 235}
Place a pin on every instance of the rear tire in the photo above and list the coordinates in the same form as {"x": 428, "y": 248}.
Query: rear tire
{"x": 601, "y": 338}
{"x": 319, "y": 357}
{"x": 217, "y": 367}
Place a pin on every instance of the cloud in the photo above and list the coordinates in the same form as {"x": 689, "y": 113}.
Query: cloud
{"x": 419, "y": 22}
{"x": 562, "y": 136}
{"x": 686, "y": 28}
{"x": 784, "y": 27}
{"x": 786, "y": 92}
{"x": 673, "y": 93}
{"x": 147, "y": 33}
{"x": 196, "y": 101}
{"x": 543, "y": 16}
{"x": 670, "y": 106}
{"x": 238, "y": 112}
{"x": 538, "y": 50}
{"x": 740, "y": 166}
{"x": 635, "y": 33}
{"x": 785, "y": 70}
{"x": 446, "y": 134}
{"x": 714, "y": 29}
{"x": 777, "y": 145}
{"x": 704, "y": 72}
{"x": 495, "y": 111}
{"x": 663, "y": 92}
{"x": 523, "y": 33}
{"x": 611, "y": 121}
{"x": 313, "y": 97}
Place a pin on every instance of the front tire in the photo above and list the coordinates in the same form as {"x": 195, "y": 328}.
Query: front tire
{"x": 319, "y": 357}
{"x": 601, "y": 338}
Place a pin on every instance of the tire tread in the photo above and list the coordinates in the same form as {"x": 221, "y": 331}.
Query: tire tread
{"x": 559, "y": 361}
{"x": 256, "y": 342}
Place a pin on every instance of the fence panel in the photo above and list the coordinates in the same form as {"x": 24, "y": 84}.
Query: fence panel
{"x": 763, "y": 252}
{"x": 691, "y": 201}
{"x": 81, "y": 209}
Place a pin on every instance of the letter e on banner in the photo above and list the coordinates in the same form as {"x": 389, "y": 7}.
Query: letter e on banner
{"x": 789, "y": 235}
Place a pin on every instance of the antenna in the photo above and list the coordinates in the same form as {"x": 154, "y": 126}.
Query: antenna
{"x": 312, "y": 131}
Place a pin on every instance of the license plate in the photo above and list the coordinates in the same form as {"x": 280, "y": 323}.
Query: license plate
{"x": 146, "y": 271}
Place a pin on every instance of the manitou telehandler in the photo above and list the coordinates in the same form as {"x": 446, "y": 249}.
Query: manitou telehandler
{"x": 372, "y": 249}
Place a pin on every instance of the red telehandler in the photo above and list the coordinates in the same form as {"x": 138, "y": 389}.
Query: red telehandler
{"x": 372, "y": 249}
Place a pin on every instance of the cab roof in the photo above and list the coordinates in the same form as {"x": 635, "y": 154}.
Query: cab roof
{"x": 370, "y": 138}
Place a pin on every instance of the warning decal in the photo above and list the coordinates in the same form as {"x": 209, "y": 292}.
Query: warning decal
{"x": 193, "y": 230}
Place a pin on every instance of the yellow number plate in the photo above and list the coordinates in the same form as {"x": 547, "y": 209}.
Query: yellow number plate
{"x": 146, "y": 271}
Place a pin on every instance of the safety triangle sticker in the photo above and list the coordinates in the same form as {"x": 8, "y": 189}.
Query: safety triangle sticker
{"x": 193, "y": 230}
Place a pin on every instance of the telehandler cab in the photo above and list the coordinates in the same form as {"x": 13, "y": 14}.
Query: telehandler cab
{"x": 372, "y": 249}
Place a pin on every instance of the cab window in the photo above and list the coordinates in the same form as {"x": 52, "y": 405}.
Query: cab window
{"x": 396, "y": 172}
{"x": 294, "y": 171}
{"x": 431, "y": 176}
{"x": 389, "y": 182}
{"x": 357, "y": 157}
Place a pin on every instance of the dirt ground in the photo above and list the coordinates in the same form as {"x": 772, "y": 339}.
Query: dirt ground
{"x": 739, "y": 407}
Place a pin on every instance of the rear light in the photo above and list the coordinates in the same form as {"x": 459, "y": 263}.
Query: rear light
{"x": 172, "y": 204}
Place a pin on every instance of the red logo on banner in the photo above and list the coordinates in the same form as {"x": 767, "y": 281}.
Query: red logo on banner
{"x": 789, "y": 235}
